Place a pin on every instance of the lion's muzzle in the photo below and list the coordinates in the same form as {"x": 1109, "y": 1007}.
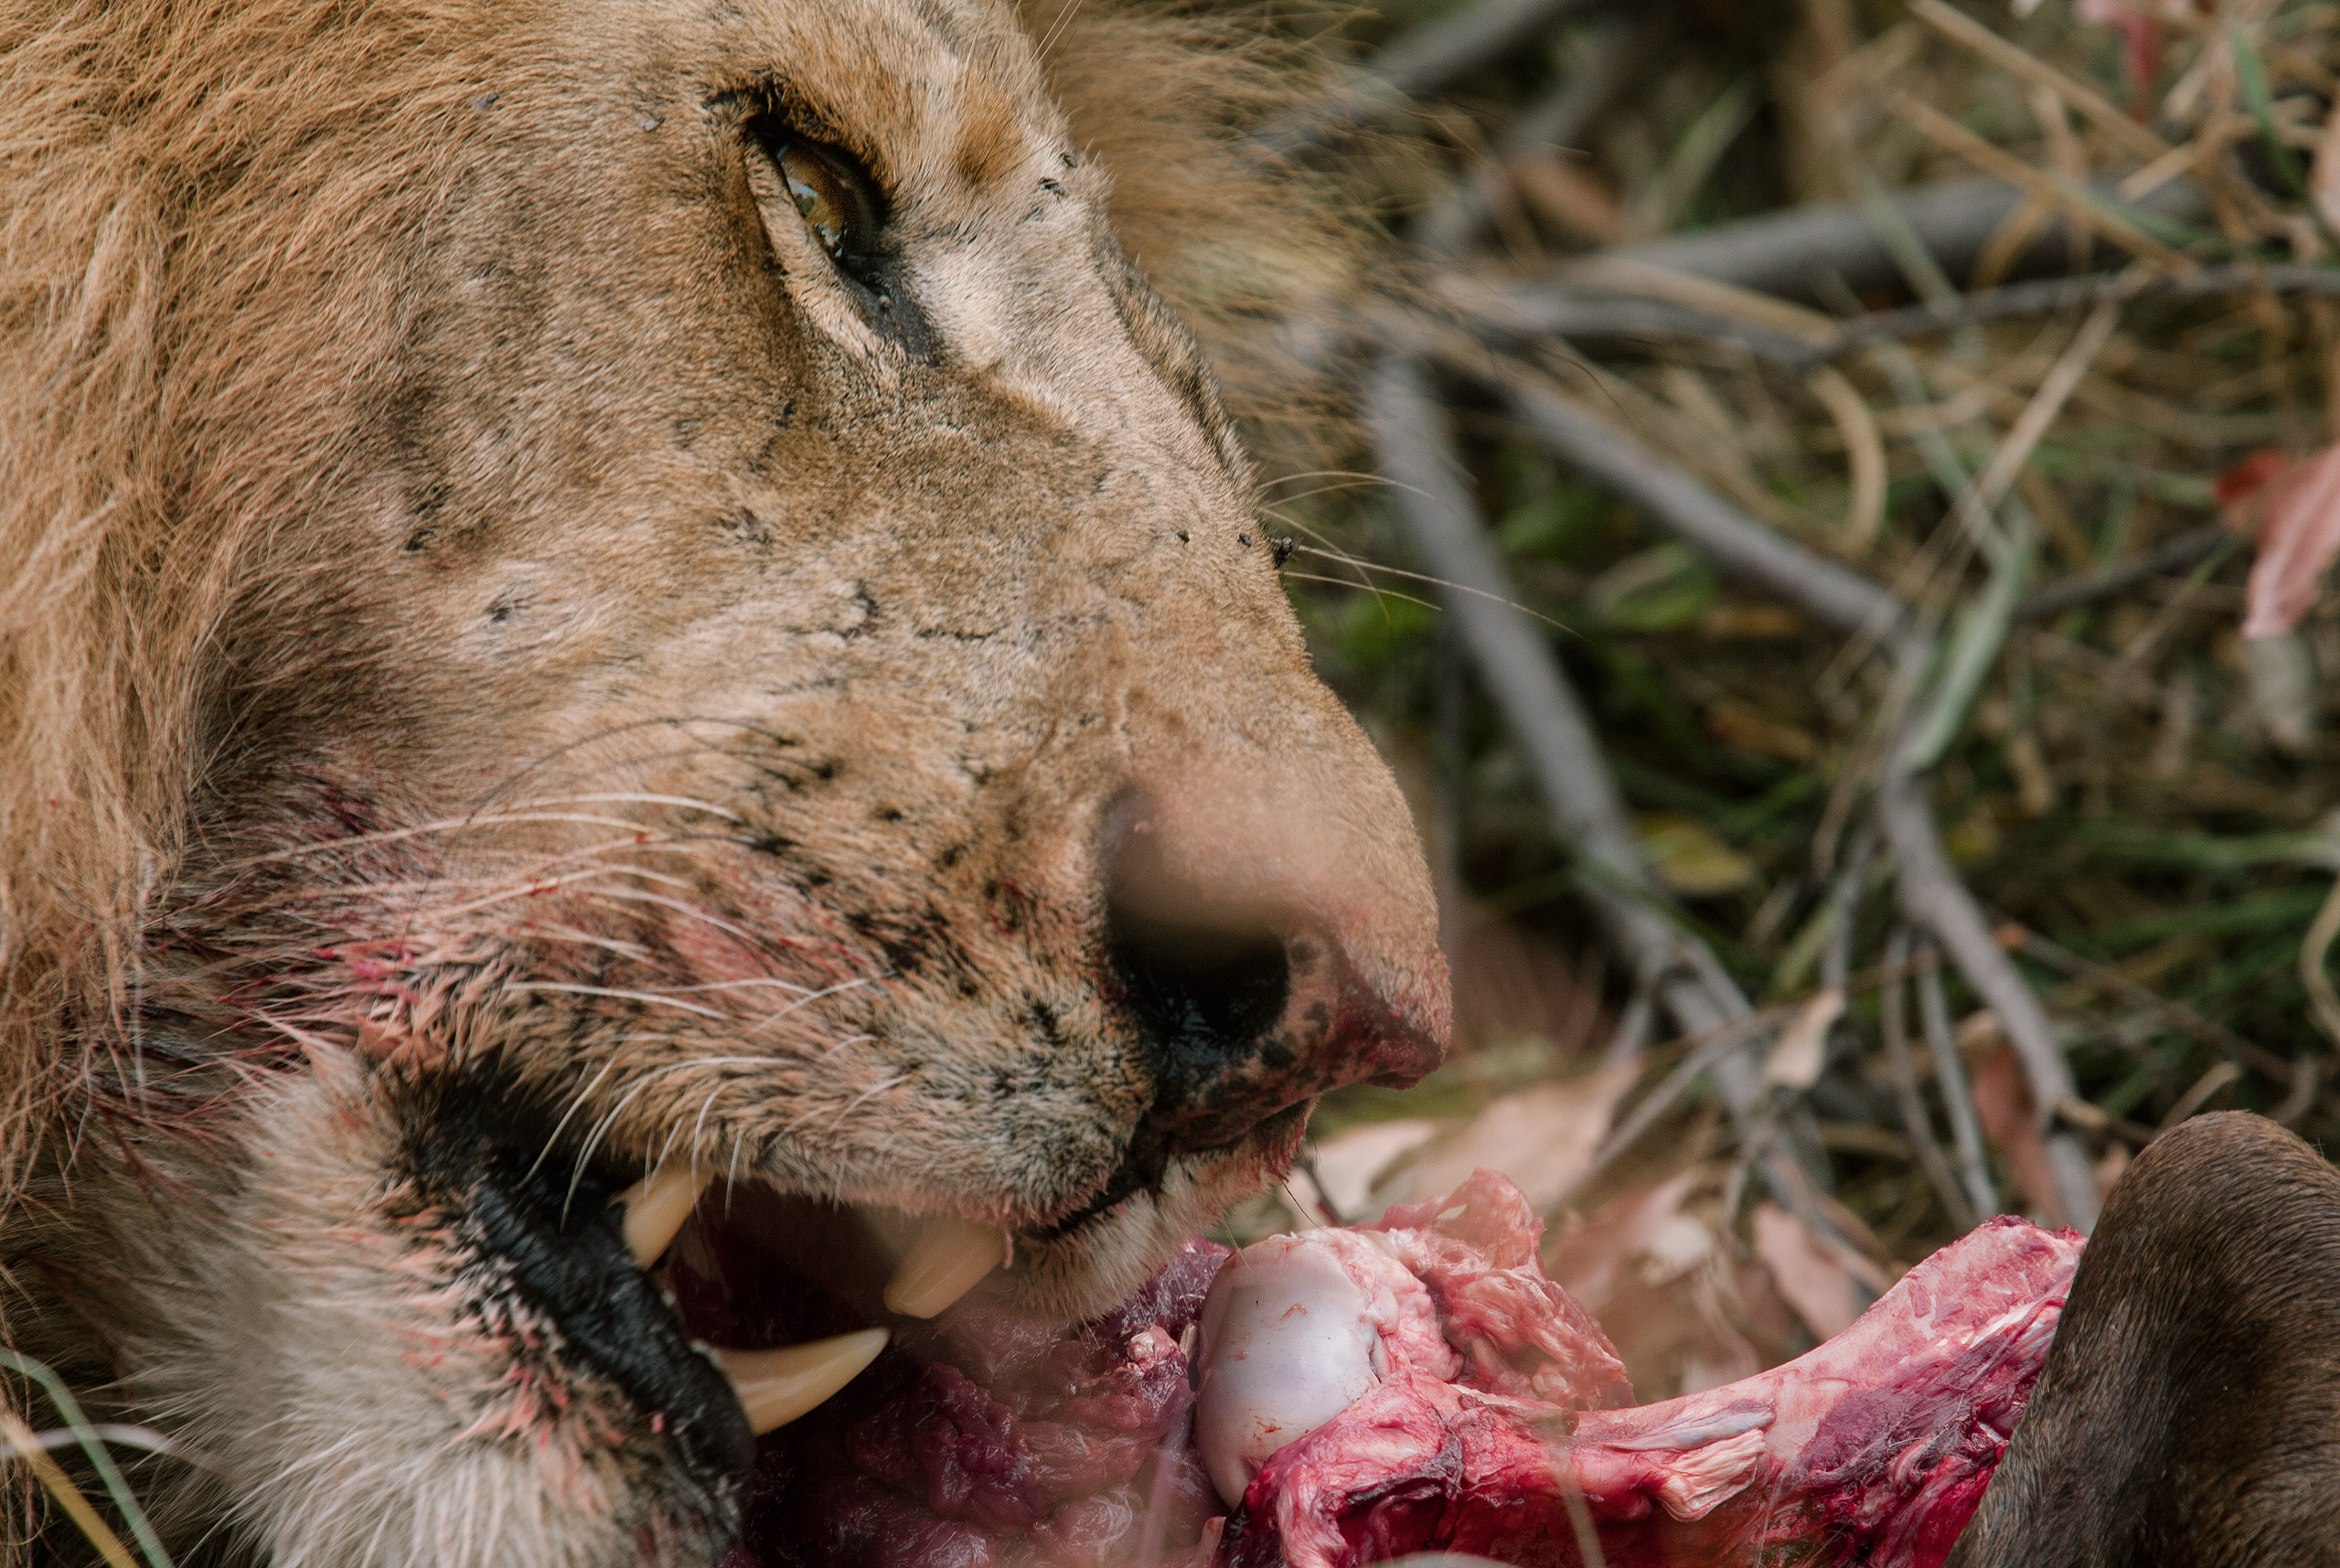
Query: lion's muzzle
{"x": 1248, "y": 962}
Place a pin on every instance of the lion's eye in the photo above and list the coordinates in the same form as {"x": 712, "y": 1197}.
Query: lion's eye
{"x": 837, "y": 202}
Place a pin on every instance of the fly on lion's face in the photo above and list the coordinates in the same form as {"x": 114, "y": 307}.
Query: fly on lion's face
{"x": 726, "y": 696}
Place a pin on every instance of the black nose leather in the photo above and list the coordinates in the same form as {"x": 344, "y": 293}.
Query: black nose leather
{"x": 1205, "y": 983}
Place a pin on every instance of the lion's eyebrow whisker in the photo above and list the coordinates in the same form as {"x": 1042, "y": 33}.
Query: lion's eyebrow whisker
{"x": 1348, "y": 473}
{"x": 1344, "y": 583}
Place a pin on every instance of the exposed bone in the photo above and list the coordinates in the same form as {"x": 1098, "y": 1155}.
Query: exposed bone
{"x": 777, "y": 1386}
{"x": 1289, "y": 1342}
{"x": 949, "y": 1258}
{"x": 656, "y": 1209}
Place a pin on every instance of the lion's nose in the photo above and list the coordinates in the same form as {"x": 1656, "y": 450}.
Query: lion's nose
{"x": 1236, "y": 976}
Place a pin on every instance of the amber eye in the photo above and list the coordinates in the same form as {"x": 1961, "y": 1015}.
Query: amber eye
{"x": 835, "y": 199}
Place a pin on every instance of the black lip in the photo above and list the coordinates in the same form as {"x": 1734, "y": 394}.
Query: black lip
{"x": 557, "y": 1249}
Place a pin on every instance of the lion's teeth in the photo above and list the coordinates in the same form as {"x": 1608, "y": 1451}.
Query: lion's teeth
{"x": 777, "y": 1386}
{"x": 949, "y": 1258}
{"x": 656, "y": 1209}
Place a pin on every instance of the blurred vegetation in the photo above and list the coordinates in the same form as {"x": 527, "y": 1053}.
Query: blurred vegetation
{"x": 2132, "y": 782}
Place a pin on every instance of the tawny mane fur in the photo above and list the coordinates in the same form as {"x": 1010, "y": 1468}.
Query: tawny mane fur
{"x": 487, "y": 604}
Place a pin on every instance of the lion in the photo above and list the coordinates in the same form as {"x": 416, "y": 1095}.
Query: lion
{"x": 604, "y": 602}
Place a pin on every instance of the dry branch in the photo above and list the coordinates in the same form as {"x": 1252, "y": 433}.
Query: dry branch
{"x": 1931, "y": 891}
{"x": 1442, "y": 524}
{"x": 1789, "y": 254}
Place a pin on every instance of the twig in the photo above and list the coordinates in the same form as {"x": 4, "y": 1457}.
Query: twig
{"x": 1789, "y": 254}
{"x": 2195, "y": 1098}
{"x": 2179, "y": 553}
{"x": 2312, "y": 974}
{"x": 2076, "y": 205}
{"x": 1894, "y": 1021}
{"x": 2045, "y": 296}
{"x": 1622, "y": 48}
{"x": 1658, "y": 1101}
{"x": 1564, "y": 754}
{"x": 1929, "y": 891}
{"x": 1962, "y": 28}
{"x": 1934, "y": 897}
{"x": 1740, "y": 544}
{"x": 1958, "y": 1098}
{"x": 2176, "y": 1015}
{"x": 1426, "y": 59}
{"x": 1597, "y": 315}
{"x": 1983, "y": 628}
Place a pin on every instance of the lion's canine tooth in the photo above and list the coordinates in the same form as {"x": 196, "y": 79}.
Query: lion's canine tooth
{"x": 655, "y": 1208}
{"x": 777, "y": 1386}
{"x": 949, "y": 1258}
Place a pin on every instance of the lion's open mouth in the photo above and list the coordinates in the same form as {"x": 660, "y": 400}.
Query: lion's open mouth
{"x": 911, "y": 1415}
{"x": 899, "y": 1399}
{"x": 980, "y": 1434}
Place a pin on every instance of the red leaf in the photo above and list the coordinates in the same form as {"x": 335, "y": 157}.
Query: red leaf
{"x": 2246, "y": 479}
{"x": 2297, "y": 538}
{"x": 2143, "y": 35}
{"x": 2010, "y": 1119}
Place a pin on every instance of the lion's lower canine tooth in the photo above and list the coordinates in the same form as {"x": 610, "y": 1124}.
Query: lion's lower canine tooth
{"x": 655, "y": 1208}
{"x": 949, "y": 1259}
{"x": 777, "y": 1386}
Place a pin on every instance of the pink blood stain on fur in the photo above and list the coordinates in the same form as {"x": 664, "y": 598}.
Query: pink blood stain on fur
{"x": 1496, "y": 1420}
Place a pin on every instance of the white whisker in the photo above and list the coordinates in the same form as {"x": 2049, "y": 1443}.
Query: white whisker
{"x": 648, "y": 997}
{"x": 625, "y": 896}
{"x": 808, "y": 999}
{"x": 585, "y": 1154}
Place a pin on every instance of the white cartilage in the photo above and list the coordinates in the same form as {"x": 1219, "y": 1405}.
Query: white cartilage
{"x": 1287, "y": 1343}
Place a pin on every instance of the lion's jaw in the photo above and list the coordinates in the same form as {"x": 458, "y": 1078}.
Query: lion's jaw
{"x": 698, "y": 708}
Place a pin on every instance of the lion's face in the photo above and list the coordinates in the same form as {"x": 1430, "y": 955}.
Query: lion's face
{"x": 775, "y": 672}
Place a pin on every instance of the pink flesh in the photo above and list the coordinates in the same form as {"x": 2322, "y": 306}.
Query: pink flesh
{"x": 1874, "y": 1448}
{"x": 980, "y": 1440}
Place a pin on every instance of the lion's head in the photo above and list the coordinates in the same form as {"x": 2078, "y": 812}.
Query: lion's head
{"x": 604, "y": 590}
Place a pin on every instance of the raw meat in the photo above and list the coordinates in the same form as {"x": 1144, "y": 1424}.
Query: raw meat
{"x": 1434, "y": 1392}
{"x": 1874, "y": 1448}
{"x": 981, "y": 1440}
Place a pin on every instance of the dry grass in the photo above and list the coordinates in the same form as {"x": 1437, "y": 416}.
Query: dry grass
{"x": 2137, "y": 793}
